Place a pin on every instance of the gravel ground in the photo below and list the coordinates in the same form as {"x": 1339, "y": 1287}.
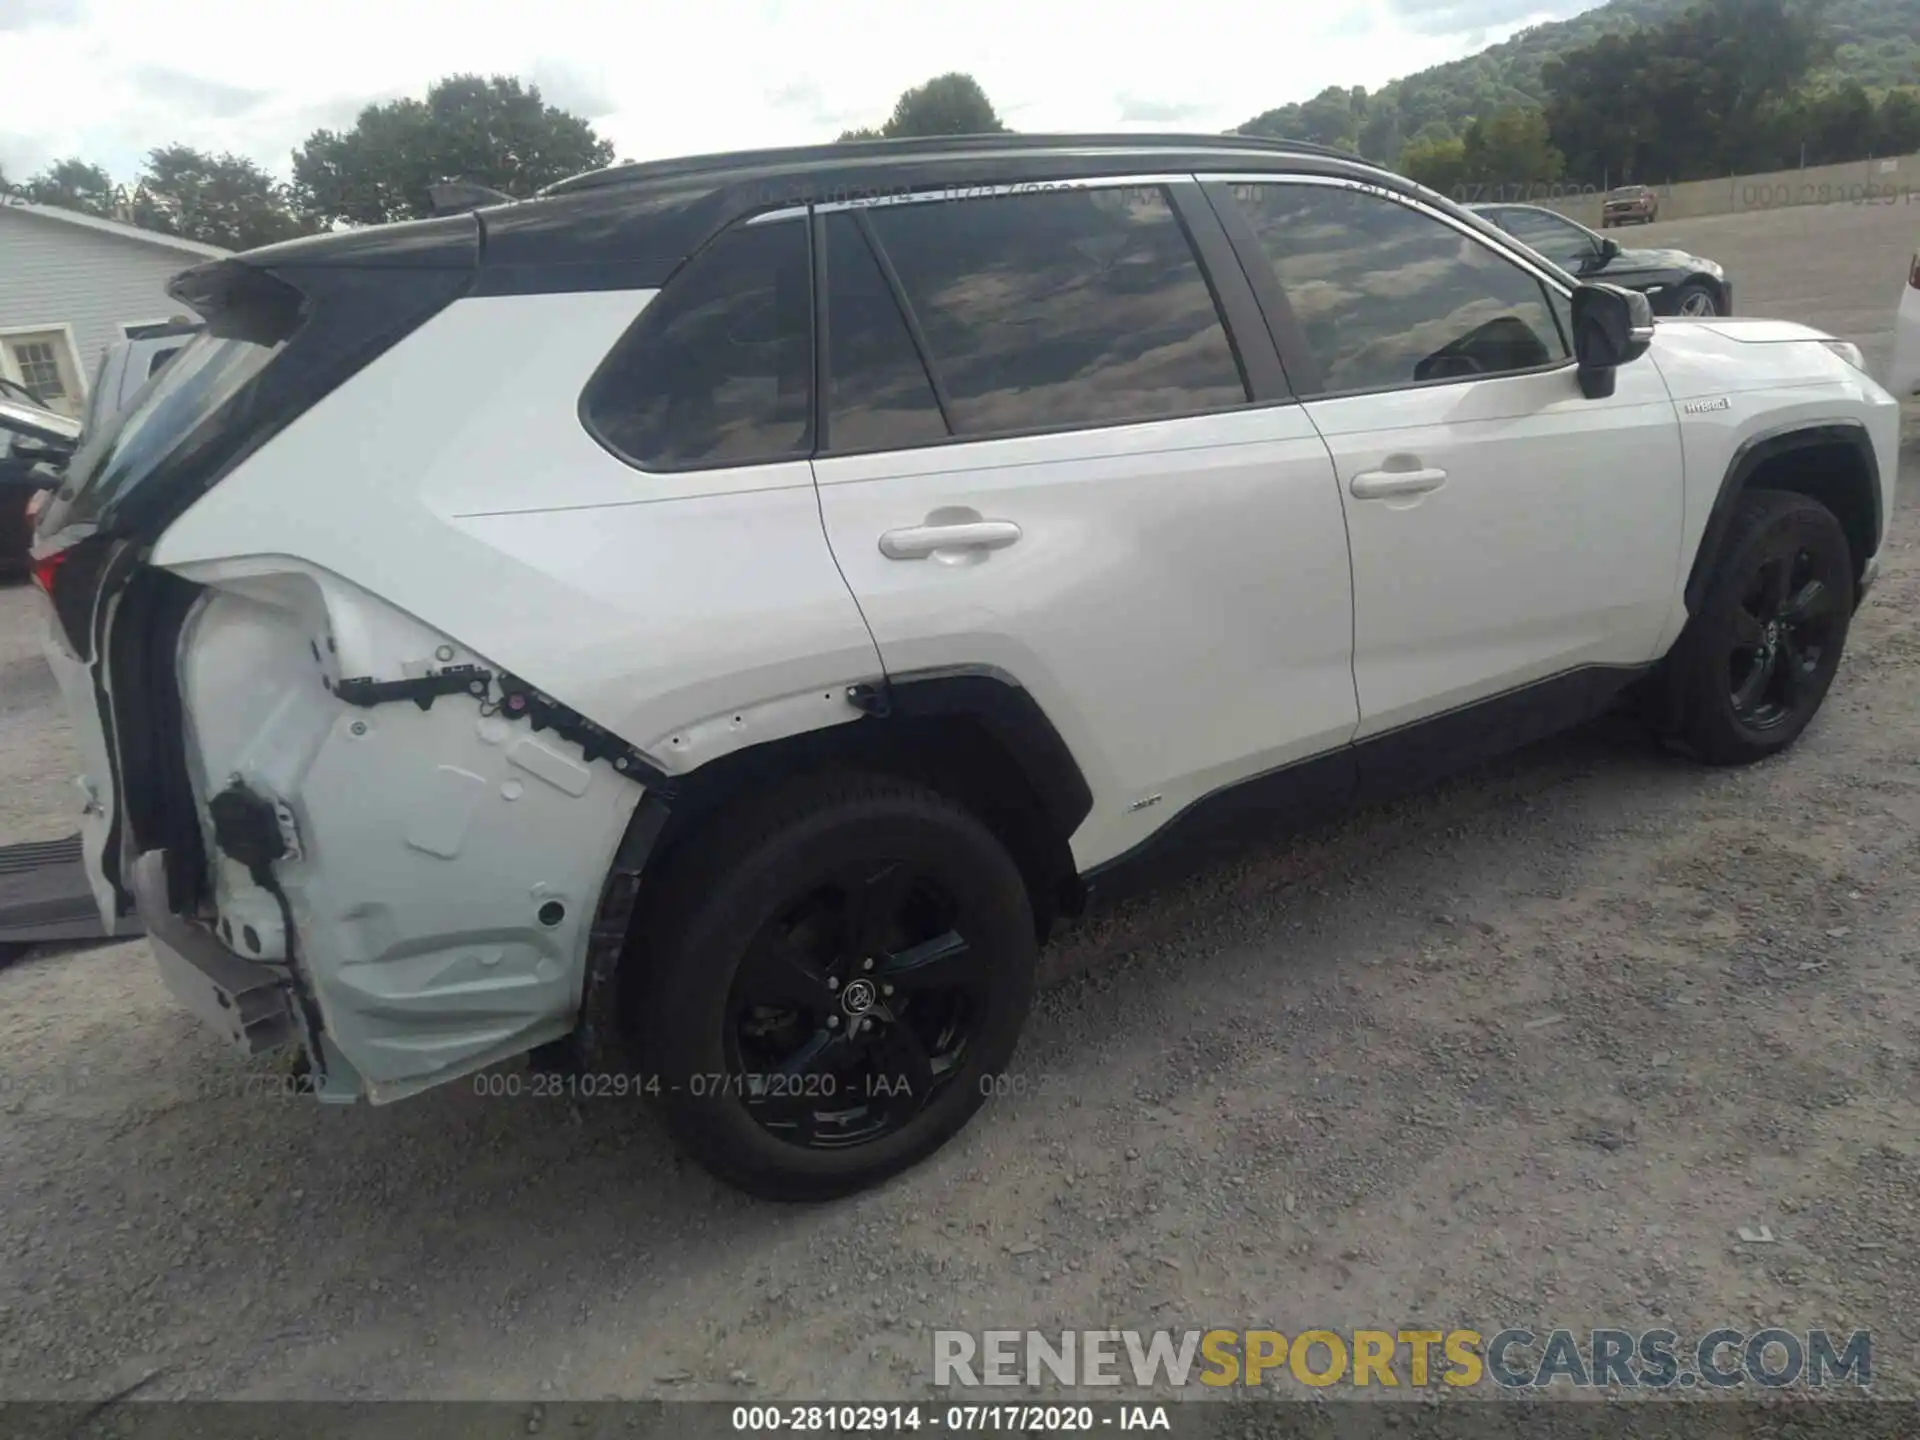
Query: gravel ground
{"x": 1525, "y": 1050}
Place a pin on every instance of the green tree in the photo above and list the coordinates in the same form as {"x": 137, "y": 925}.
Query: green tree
{"x": 224, "y": 200}
{"x": 1512, "y": 151}
{"x": 73, "y": 185}
{"x": 1438, "y": 164}
{"x": 1380, "y": 139}
{"x": 950, "y": 104}
{"x": 1841, "y": 125}
{"x": 493, "y": 131}
{"x": 1897, "y": 123}
{"x": 1336, "y": 116}
{"x": 1332, "y": 118}
{"x": 1691, "y": 97}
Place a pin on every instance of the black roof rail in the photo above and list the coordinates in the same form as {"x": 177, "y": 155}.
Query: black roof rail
{"x": 855, "y": 150}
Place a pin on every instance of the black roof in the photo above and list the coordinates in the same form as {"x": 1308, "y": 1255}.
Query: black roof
{"x": 631, "y": 226}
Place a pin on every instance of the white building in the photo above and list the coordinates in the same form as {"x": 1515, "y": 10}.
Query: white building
{"x": 71, "y": 285}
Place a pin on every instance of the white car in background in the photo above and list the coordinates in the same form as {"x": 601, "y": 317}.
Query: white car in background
{"x": 1904, "y": 378}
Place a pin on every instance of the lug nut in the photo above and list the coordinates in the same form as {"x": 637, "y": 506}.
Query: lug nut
{"x": 867, "y": 964}
{"x": 886, "y": 989}
{"x": 832, "y": 984}
{"x": 833, "y": 1022}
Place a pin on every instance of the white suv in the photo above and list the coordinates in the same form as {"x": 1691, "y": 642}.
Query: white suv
{"x": 705, "y": 624}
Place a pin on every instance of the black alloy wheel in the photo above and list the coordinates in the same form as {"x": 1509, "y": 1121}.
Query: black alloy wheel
{"x": 853, "y": 1006}
{"x": 1783, "y": 629}
{"x": 1760, "y": 651}
{"x": 837, "y": 974}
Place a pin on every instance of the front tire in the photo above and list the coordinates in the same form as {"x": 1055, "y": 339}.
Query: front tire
{"x": 1755, "y": 662}
{"x": 838, "y": 975}
{"x": 1697, "y": 299}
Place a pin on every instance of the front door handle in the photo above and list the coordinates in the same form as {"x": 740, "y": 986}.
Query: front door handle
{"x": 917, "y": 542}
{"x": 1385, "y": 484}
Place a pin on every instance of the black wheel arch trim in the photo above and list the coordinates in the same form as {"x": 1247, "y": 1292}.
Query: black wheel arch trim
{"x": 1008, "y": 712}
{"x": 988, "y": 697}
{"x": 1756, "y": 451}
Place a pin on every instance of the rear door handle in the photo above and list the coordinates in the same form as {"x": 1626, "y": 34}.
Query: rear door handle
{"x": 917, "y": 542}
{"x": 1385, "y": 484}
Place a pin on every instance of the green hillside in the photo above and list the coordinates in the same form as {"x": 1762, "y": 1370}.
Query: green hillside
{"x": 1877, "y": 44}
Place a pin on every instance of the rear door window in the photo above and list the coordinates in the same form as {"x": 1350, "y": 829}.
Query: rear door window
{"x": 1061, "y": 308}
{"x": 879, "y": 395}
{"x": 718, "y": 370}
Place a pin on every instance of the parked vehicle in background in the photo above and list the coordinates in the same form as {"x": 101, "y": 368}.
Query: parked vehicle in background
{"x": 35, "y": 443}
{"x": 1629, "y": 204}
{"x": 1675, "y": 282}
{"x": 897, "y": 546}
{"x": 37, "y": 425}
{"x": 30, "y": 465}
{"x": 1903, "y": 378}
{"x": 128, "y": 365}
{"x": 16, "y": 507}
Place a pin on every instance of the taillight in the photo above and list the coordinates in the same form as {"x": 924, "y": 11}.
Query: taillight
{"x": 47, "y": 568}
{"x": 71, "y": 577}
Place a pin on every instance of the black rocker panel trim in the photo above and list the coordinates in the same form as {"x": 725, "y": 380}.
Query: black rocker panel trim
{"x": 1756, "y": 452}
{"x": 1431, "y": 749}
{"x": 1280, "y": 802}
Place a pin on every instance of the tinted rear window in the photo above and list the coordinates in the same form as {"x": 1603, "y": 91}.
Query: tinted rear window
{"x": 718, "y": 369}
{"x": 1061, "y": 308}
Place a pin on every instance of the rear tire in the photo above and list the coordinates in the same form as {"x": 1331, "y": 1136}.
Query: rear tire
{"x": 1756, "y": 660}
{"x": 837, "y": 975}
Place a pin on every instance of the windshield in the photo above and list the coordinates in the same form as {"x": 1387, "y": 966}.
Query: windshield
{"x": 173, "y": 416}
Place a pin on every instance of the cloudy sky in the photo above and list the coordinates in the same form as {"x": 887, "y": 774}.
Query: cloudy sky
{"x": 109, "y": 79}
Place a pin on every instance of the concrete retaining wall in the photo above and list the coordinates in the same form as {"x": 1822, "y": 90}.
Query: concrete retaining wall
{"x": 1858, "y": 182}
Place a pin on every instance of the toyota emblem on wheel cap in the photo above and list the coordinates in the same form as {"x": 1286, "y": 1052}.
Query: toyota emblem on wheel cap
{"x": 858, "y": 997}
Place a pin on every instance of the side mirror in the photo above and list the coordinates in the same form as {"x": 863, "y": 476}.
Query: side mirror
{"x": 1612, "y": 326}
{"x": 1609, "y": 252}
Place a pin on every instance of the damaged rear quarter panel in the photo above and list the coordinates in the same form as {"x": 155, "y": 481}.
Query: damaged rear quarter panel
{"x": 449, "y": 861}
{"x": 448, "y": 495}
{"x": 453, "y": 479}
